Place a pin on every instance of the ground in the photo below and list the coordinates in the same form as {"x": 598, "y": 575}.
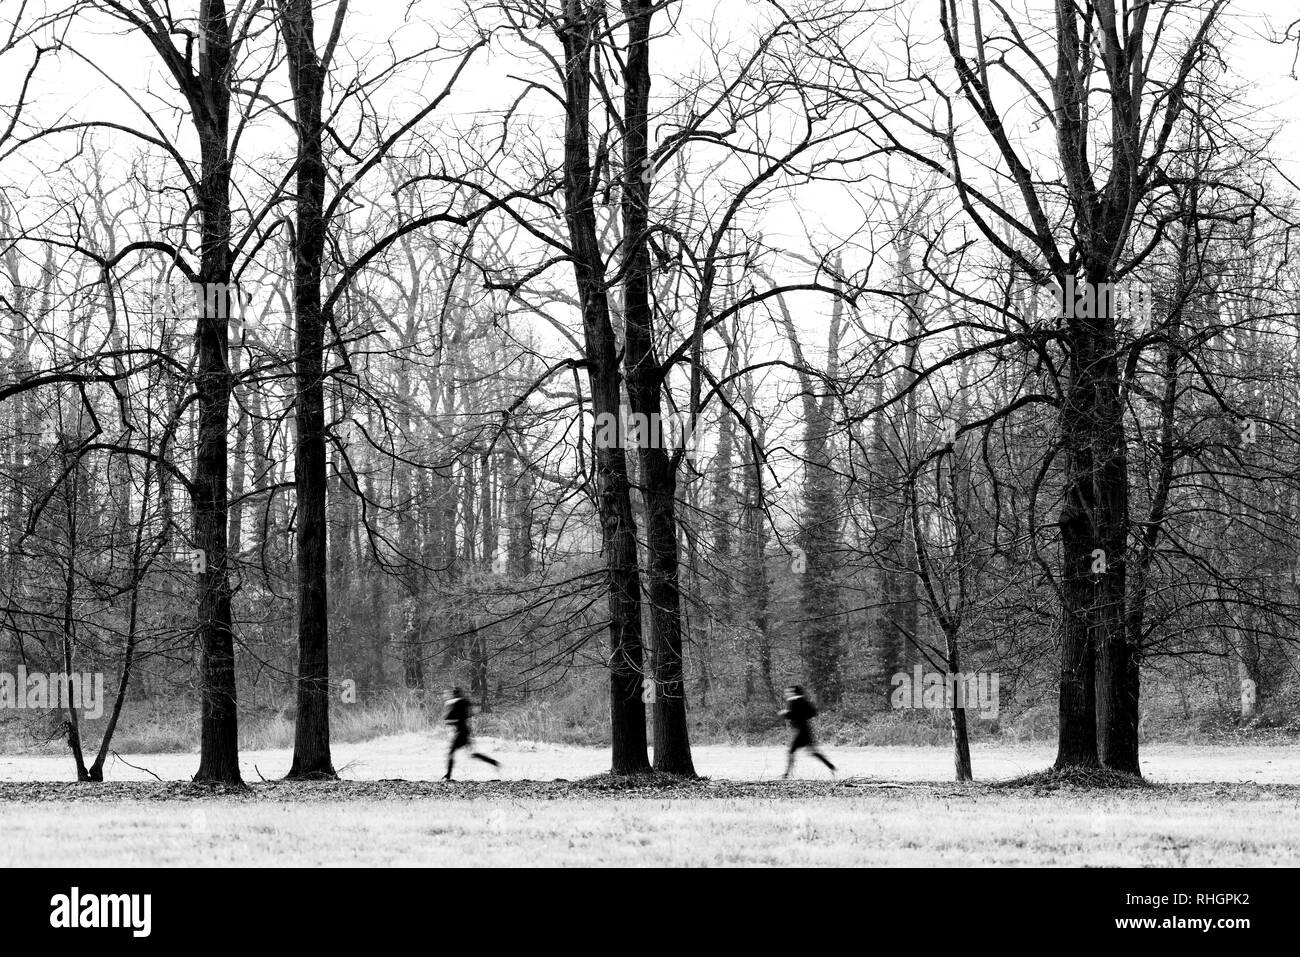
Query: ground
{"x": 1208, "y": 806}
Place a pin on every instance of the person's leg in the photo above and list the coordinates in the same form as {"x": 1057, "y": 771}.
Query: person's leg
{"x": 801, "y": 739}
{"x": 458, "y": 741}
{"x": 823, "y": 759}
{"x": 486, "y": 760}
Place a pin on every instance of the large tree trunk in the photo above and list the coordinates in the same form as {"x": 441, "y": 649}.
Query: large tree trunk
{"x": 1118, "y": 657}
{"x": 672, "y": 742}
{"x": 618, "y": 528}
{"x": 219, "y": 735}
{"x": 644, "y": 380}
{"x": 1094, "y": 531}
{"x": 311, "y": 746}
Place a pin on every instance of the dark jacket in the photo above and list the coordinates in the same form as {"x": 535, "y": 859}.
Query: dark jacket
{"x": 458, "y": 710}
{"x": 799, "y": 711}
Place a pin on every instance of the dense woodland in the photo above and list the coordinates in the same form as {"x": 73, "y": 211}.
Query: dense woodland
{"x": 310, "y": 317}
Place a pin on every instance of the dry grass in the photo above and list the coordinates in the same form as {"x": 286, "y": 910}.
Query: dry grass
{"x": 513, "y": 824}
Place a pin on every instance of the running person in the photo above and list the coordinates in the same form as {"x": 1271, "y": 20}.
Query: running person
{"x": 799, "y": 712}
{"x": 457, "y": 717}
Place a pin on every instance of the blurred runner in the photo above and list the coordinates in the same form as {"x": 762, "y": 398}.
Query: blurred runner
{"x": 800, "y": 711}
{"x": 459, "y": 709}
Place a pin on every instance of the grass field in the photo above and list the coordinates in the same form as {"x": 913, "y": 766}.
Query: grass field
{"x": 1220, "y": 806}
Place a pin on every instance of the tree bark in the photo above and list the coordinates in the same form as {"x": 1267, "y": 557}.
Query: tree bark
{"x": 618, "y": 528}
{"x": 644, "y": 381}
{"x": 1094, "y": 530}
{"x": 210, "y": 105}
{"x": 311, "y": 746}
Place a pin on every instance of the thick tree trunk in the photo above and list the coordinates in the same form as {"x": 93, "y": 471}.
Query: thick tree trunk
{"x": 311, "y": 747}
{"x": 1094, "y": 531}
{"x": 618, "y": 528}
{"x": 1118, "y": 687}
{"x": 644, "y": 381}
{"x": 219, "y": 734}
{"x": 672, "y": 741}
{"x": 1118, "y": 656}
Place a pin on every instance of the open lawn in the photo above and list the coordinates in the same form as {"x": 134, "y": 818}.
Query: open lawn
{"x": 1208, "y": 806}
{"x": 421, "y": 757}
